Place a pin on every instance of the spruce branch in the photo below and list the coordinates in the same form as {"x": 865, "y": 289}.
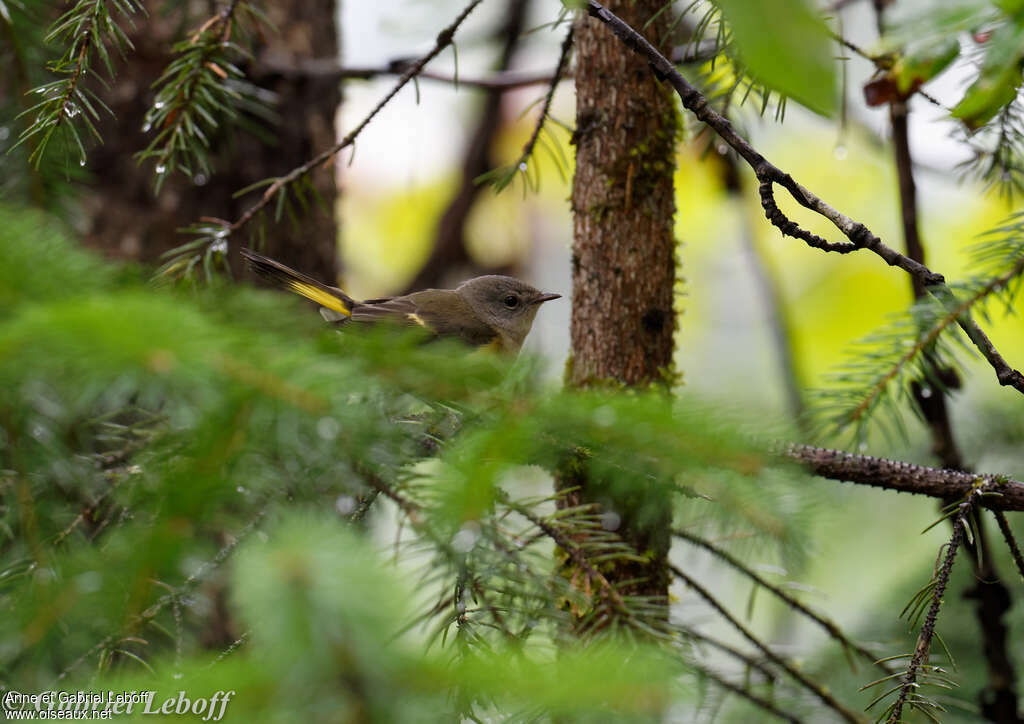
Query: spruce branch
{"x": 812, "y": 686}
{"x": 201, "y": 90}
{"x": 212, "y": 235}
{"x": 744, "y": 692}
{"x": 830, "y": 627}
{"x": 909, "y": 681}
{"x": 769, "y": 175}
{"x": 87, "y": 30}
{"x": 501, "y": 177}
{"x": 172, "y": 597}
{"x": 751, "y": 662}
{"x": 444, "y": 39}
{"x": 1002, "y": 493}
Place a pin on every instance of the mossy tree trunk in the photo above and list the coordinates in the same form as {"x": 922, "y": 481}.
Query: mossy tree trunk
{"x": 624, "y": 263}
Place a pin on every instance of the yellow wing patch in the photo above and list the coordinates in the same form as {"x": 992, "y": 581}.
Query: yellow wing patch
{"x": 324, "y": 299}
{"x": 413, "y": 317}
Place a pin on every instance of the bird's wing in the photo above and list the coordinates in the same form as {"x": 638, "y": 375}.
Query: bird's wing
{"x": 394, "y": 309}
{"x": 332, "y": 299}
{"x": 443, "y": 312}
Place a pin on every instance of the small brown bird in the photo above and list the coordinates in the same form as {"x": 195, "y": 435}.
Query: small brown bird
{"x": 494, "y": 311}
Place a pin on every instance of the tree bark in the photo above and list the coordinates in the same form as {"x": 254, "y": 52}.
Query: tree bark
{"x": 123, "y": 220}
{"x": 623, "y": 265}
{"x": 623, "y": 261}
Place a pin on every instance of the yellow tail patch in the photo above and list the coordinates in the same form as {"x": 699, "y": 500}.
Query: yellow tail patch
{"x": 324, "y": 299}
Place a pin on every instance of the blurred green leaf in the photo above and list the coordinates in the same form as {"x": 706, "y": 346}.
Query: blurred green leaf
{"x": 1000, "y": 76}
{"x": 785, "y": 45}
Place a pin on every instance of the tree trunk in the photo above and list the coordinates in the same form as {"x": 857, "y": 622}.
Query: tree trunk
{"x": 123, "y": 219}
{"x": 623, "y": 261}
{"x": 623, "y": 264}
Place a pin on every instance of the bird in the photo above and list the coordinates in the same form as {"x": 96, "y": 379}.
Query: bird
{"x": 490, "y": 311}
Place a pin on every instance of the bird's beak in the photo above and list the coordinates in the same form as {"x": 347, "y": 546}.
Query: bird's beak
{"x": 546, "y": 298}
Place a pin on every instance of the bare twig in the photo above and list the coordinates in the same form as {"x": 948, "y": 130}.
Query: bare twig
{"x": 858, "y": 235}
{"x": 808, "y": 683}
{"x": 903, "y": 477}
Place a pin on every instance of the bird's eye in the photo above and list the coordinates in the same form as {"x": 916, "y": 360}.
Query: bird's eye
{"x": 511, "y": 301}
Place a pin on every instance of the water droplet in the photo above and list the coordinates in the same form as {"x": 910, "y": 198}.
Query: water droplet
{"x": 465, "y": 539}
{"x": 89, "y": 582}
{"x": 81, "y": 162}
{"x": 161, "y": 169}
{"x": 722, "y": 148}
{"x": 926, "y": 392}
{"x": 610, "y": 520}
{"x": 159, "y": 104}
{"x": 200, "y": 179}
{"x": 345, "y": 504}
{"x": 327, "y": 428}
{"x": 147, "y": 127}
{"x": 840, "y": 152}
{"x": 241, "y": 489}
{"x": 219, "y": 247}
{"x": 605, "y": 416}
{"x": 522, "y": 166}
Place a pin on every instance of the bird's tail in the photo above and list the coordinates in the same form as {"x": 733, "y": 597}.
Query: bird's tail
{"x": 330, "y": 298}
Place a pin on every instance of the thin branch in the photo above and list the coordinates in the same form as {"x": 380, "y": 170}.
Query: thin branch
{"x": 885, "y": 62}
{"x": 560, "y": 68}
{"x": 173, "y": 596}
{"x": 750, "y": 696}
{"x": 748, "y": 660}
{"x": 1011, "y": 542}
{"x": 448, "y": 248}
{"x": 504, "y": 80}
{"x": 924, "y": 639}
{"x": 811, "y": 685}
{"x": 579, "y": 558}
{"x": 1004, "y": 494}
{"x": 444, "y": 39}
{"x": 793, "y": 603}
{"x": 859, "y": 236}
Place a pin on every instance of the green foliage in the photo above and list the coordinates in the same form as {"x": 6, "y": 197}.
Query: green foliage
{"x": 186, "y": 474}
{"x": 795, "y": 58}
{"x": 922, "y": 42}
{"x": 87, "y": 31}
{"x": 202, "y": 92}
{"x": 920, "y": 352}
